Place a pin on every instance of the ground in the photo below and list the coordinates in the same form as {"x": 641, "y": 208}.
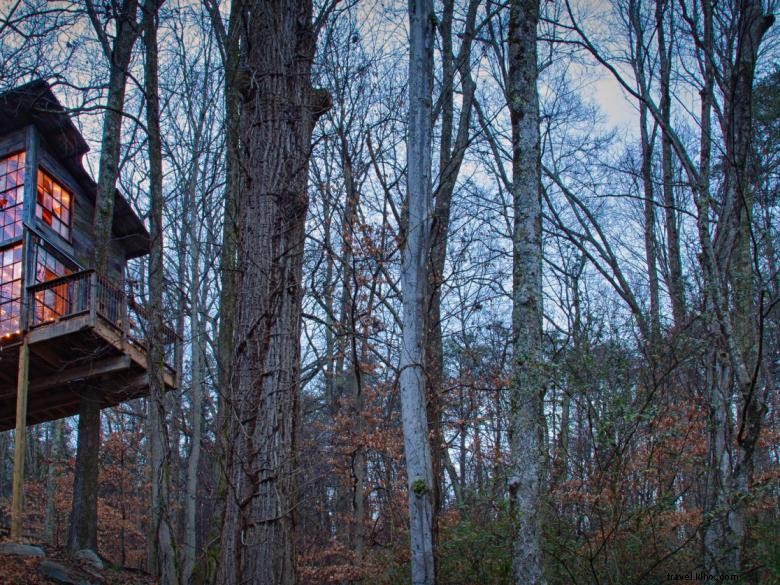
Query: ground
{"x": 18, "y": 570}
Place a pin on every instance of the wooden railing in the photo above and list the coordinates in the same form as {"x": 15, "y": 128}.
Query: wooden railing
{"x": 88, "y": 292}
{"x": 60, "y": 298}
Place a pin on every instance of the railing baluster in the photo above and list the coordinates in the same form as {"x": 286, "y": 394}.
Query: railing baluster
{"x": 93, "y": 300}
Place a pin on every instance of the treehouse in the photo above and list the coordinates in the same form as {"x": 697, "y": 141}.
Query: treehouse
{"x": 72, "y": 328}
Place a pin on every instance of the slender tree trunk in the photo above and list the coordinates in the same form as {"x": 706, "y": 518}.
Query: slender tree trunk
{"x": 53, "y": 455}
{"x": 451, "y": 152}
{"x": 527, "y": 387}
{"x": 675, "y": 282}
{"x": 350, "y": 376}
{"x": 111, "y": 139}
{"x": 190, "y": 543}
{"x": 228, "y": 258}
{"x": 84, "y": 507}
{"x": 164, "y": 561}
{"x": 740, "y": 364}
{"x": 278, "y": 110}
{"x": 414, "y": 264}
{"x": 648, "y": 195}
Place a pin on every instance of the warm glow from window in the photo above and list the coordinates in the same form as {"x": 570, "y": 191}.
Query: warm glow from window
{"x": 53, "y": 302}
{"x": 54, "y": 204}
{"x": 10, "y": 289}
{"x": 11, "y": 196}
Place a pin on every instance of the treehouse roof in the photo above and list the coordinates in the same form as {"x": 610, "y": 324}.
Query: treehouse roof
{"x": 35, "y": 104}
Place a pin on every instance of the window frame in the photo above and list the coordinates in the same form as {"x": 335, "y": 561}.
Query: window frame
{"x": 17, "y": 300}
{"x": 43, "y": 170}
{"x": 20, "y": 204}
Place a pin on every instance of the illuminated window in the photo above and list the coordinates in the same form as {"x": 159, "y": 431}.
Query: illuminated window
{"x": 53, "y": 302}
{"x": 53, "y": 207}
{"x": 11, "y": 196}
{"x": 10, "y": 289}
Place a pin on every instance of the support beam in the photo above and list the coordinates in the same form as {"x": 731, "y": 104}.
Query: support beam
{"x": 95, "y": 368}
{"x": 17, "y": 505}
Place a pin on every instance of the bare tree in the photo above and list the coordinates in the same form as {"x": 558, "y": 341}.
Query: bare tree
{"x": 527, "y": 420}
{"x": 278, "y": 110}
{"x": 417, "y": 447}
{"x": 83, "y": 524}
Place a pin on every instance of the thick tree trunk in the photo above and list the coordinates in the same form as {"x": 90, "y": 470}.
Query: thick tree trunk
{"x": 278, "y": 110}
{"x": 82, "y": 532}
{"x": 414, "y": 265}
{"x": 527, "y": 387}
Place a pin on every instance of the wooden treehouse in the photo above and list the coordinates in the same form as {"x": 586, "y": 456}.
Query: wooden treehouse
{"x": 77, "y": 329}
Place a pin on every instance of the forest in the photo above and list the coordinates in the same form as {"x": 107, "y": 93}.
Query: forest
{"x": 451, "y": 292}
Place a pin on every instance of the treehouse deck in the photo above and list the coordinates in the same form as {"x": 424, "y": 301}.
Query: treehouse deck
{"x": 85, "y": 338}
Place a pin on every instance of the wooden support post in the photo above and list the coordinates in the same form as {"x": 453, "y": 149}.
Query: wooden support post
{"x": 17, "y": 505}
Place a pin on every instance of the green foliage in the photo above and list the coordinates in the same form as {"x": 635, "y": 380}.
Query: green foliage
{"x": 476, "y": 550}
{"x": 767, "y": 548}
{"x": 419, "y": 486}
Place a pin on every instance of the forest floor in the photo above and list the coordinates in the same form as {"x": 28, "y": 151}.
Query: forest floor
{"x": 63, "y": 569}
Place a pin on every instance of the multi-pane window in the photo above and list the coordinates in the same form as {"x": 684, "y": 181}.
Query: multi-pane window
{"x": 11, "y": 196}
{"x": 10, "y": 289}
{"x": 53, "y": 204}
{"x": 52, "y": 302}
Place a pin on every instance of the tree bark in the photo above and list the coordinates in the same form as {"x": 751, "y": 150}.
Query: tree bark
{"x": 648, "y": 192}
{"x": 119, "y": 55}
{"x": 82, "y": 531}
{"x": 164, "y": 560}
{"x": 527, "y": 386}
{"x": 278, "y": 110}
{"x": 736, "y": 369}
{"x": 675, "y": 282}
{"x": 84, "y": 507}
{"x": 197, "y": 329}
{"x": 414, "y": 264}
{"x": 450, "y": 161}
{"x": 53, "y": 446}
{"x": 230, "y": 53}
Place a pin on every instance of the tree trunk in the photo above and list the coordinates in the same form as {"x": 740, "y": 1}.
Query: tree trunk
{"x": 228, "y": 258}
{"x": 414, "y": 264}
{"x": 674, "y": 273}
{"x": 111, "y": 140}
{"x": 164, "y": 561}
{"x": 84, "y": 507}
{"x": 450, "y": 161}
{"x": 737, "y": 368}
{"x": 196, "y": 288}
{"x": 53, "y": 455}
{"x": 82, "y": 532}
{"x": 640, "y": 57}
{"x": 527, "y": 386}
{"x": 278, "y": 110}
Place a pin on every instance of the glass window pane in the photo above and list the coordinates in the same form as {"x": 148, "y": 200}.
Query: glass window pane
{"x": 11, "y": 195}
{"x": 53, "y": 206}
